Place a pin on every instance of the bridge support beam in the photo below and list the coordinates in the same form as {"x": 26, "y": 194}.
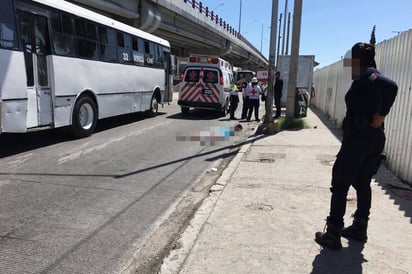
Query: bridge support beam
{"x": 111, "y": 8}
{"x": 150, "y": 17}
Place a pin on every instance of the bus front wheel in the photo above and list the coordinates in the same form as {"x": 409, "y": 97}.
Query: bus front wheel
{"x": 84, "y": 118}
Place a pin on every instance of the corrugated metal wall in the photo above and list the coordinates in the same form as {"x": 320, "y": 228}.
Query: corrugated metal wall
{"x": 394, "y": 60}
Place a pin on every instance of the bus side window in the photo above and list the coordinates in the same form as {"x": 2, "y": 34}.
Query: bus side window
{"x": 138, "y": 56}
{"x": 8, "y": 35}
{"x": 91, "y": 31}
{"x": 63, "y": 34}
{"x": 128, "y": 48}
{"x": 108, "y": 49}
{"x": 154, "y": 53}
{"x": 147, "y": 54}
{"x": 86, "y": 40}
{"x": 161, "y": 57}
{"x": 158, "y": 55}
{"x": 124, "y": 48}
{"x": 67, "y": 24}
{"x": 80, "y": 28}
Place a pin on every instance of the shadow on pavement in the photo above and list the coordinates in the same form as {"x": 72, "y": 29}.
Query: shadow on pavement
{"x": 347, "y": 260}
{"x": 15, "y": 143}
{"x": 199, "y": 114}
{"x": 233, "y": 151}
{"x": 401, "y": 196}
{"x": 337, "y": 132}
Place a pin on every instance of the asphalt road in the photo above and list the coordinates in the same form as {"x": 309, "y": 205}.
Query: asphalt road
{"x": 106, "y": 203}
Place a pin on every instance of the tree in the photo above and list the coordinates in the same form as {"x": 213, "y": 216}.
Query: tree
{"x": 373, "y": 38}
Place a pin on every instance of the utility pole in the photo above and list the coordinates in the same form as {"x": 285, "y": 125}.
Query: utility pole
{"x": 287, "y": 36}
{"x": 284, "y": 27}
{"x": 293, "y": 68}
{"x": 272, "y": 65}
{"x": 277, "y": 54}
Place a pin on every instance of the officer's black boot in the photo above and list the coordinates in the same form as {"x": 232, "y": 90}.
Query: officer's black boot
{"x": 330, "y": 238}
{"x": 357, "y": 231}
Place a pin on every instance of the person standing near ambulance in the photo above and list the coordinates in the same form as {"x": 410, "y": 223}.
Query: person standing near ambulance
{"x": 253, "y": 90}
{"x": 278, "y": 94}
{"x": 234, "y": 100}
{"x": 245, "y": 105}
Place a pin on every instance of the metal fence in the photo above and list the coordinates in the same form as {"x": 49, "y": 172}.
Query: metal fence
{"x": 394, "y": 60}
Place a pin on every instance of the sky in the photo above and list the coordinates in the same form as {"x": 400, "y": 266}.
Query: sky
{"x": 329, "y": 28}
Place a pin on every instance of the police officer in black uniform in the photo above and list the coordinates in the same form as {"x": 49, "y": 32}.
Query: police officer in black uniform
{"x": 368, "y": 101}
{"x": 278, "y": 94}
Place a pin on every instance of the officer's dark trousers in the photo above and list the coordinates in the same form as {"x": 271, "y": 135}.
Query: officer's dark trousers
{"x": 234, "y": 100}
{"x": 253, "y": 105}
{"x": 358, "y": 160}
{"x": 278, "y": 98}
{"x": 245, "y": 106}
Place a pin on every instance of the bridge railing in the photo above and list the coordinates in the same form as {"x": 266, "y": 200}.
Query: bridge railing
{"x": 198, "y": 5}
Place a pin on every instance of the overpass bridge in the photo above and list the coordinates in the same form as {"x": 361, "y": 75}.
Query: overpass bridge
{"x": 188, "y": 25}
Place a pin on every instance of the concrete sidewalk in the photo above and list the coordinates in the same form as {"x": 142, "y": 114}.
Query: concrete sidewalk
{"x": 273, "y": 197}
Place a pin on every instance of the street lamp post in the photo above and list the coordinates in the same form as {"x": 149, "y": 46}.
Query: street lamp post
{"x": 261, "y": 35}
{"x": 240, "y": 15}
{"x": 221, "y": 4}
{"x": 261, "y": 39}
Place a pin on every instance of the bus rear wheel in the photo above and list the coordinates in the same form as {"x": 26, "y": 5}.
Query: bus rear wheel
{"x": 154, "y": 106}
{"x": 84, "y": 118}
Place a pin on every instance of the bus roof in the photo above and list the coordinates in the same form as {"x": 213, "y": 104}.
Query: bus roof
{"x": 99, "y": 18}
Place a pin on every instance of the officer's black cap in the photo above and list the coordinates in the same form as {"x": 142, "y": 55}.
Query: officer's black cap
{"x": 366, "y": 53}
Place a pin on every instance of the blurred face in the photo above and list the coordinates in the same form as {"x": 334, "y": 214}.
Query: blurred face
{"x": 356, "y": 68}
{"x": 351, "y": 65}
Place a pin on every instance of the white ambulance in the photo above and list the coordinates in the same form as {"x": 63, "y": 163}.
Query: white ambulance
{"x": 205, "y": 84}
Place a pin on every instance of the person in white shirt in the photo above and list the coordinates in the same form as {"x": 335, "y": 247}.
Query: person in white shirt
{"x": 253, "y": 90}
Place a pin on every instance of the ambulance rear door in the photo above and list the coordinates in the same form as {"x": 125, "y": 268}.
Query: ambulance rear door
{"x": 202, "y": 87}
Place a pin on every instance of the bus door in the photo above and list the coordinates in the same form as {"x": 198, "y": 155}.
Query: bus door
{"x": 34, "y": 36}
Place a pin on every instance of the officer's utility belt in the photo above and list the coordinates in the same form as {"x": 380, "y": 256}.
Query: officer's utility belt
{"x": 356, "y": 123}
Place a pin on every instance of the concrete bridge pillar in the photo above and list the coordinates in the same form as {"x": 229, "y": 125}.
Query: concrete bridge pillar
{"x": 150, "y": 16}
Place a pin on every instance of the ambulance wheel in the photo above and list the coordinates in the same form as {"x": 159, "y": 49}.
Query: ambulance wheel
{"x": 185, "y": 110}
{"x": 84, "y": 119}
{"x": 225, "y": 109}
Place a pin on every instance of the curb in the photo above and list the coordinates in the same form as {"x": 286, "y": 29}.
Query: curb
{"x": 174, "y": 262}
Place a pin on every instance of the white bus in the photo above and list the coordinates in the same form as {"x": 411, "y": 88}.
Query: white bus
{"x": 64, "y": 65}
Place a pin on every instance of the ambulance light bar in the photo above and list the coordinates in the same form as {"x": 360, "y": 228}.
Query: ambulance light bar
{"x": 204, "y": 59}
